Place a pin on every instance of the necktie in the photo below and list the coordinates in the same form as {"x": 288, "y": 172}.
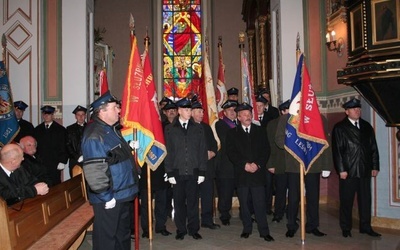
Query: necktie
{"x": 12, "y": 177}
{"x": 47, "y": 126}
{"x": 247, "y": 130}
{"x": 356, "y": 124}
{"x": 184, "y": 125}
{"x": 260, "y": 118}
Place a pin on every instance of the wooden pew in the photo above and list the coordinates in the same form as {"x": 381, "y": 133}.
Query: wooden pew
{"x": 57, "y": 220}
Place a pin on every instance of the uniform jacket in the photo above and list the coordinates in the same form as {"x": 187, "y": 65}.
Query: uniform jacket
{"x": 51, "y": 147}
{"x": 25, "y": 128}
{"x": 74, "y": 139}
{"x": 35, "y": 167}
{"x": 323, "y": 162}
{"x": 269, "y": 115}
{"x": 187, "y": 150}
{"x": 211, "y": 146}
{"x": 224, "y": 168}
{"x": 355, "y": 150}
{"x": 245, "y": 148}
{"x": 108, "y": 163}
{"x": 277, "y": 158}
{"x": 14, "y": 191}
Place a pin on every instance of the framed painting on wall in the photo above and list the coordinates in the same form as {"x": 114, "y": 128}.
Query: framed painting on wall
{"x": 357, "y": 28}
{"x": 385, "y": 16}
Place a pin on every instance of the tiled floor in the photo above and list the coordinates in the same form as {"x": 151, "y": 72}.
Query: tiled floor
{"x": 228, "y": 237}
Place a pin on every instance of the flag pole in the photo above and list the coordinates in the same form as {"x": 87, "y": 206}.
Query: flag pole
{"x": 241, "y": 49}
{"x": 302, "y": 212}
{"x": 149, "y": 199}
{"x": 136, "y": 215}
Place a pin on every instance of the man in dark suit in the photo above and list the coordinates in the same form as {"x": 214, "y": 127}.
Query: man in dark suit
{"x": 271, "y": 112}
{"x": 25, "y": 127}
{"x": 51, "y": 144}
{"x": 17, "y": 184}
{"x": 356, "y": 158}
{"x": 248, "y": 149}
{"x": 225, "y": 177}
{"x": 186, "y": 164}
{"x": 32, "y": 162}
{"x": 207, "y": 187}
{"x": 74, "y": 138}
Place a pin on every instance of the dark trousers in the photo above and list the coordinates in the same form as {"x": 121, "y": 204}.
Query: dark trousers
{"x": 160, "y": 209}
{"x": 269, "y": 191}
{"x": 112, "y": 227}
{"x": 258, "y": 197}
{"x": 347, "y": 190}
{"x": 207, "y": 201}
{"x": 225, "y": 188}
{"x": 312, "y": 181}
{"x": 281, "y": 186}
{"x": 186, "y": 203}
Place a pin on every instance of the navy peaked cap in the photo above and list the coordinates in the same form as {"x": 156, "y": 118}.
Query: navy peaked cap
{"x": 243, "y": 106}
{"x": 184, "y": 103}
{"x": 229, "y": 104}
{"x": 353, "y": 103}
{"x": 104, "y": 99}
{"x": 20, "y": 105}
{"x": 262, "y": 99}
{"x": 48, "y": 109}
{"x": 233, "y": 91}
{"x": 79, "y": 108}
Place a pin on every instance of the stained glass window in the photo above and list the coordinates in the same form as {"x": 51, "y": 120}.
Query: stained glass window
{"x": 182, "y": 54}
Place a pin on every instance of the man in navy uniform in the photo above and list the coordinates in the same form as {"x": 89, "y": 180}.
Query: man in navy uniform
{"x": 51, "y": 140}
{"x": 186, "y": 164}
{"x": 225, "y": 177}
{"x": 74, "y": 137}
{"x": 356, "y": 158}
{"x": 25, "y": 127}
{"x": 271, "y": 112}
{"x": 233, "y": 94}
{"x": 248, "y": 149}
{"x": 207, "y": 187}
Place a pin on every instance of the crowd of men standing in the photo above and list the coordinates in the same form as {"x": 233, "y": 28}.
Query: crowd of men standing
{"x": 251, "y": 163}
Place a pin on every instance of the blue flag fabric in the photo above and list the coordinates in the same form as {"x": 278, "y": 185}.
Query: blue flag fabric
{"x": 9, "y": 126}
{"x": 305, "y": 137}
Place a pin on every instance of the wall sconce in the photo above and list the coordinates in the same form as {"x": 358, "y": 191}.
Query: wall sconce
{"x": 334, "y": 45}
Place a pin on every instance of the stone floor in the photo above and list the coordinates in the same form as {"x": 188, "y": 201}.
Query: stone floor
{"x": 228, "y": 237}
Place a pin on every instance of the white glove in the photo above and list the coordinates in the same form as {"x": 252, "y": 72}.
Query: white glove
{"x": 60, "y": 166}
{"x": 134, "y": 144}
{"x": 110, "y": 204}
{"x": 325, "y": 173}
{"x": 172, "y": 180}
{"x": 200, "y": 179}
{"x": 165, "y": 177}
{"x": 80, "y": 159}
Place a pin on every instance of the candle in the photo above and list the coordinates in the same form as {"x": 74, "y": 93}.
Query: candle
{"x": 333, "y": 35}
{"x": 328, "y": 37}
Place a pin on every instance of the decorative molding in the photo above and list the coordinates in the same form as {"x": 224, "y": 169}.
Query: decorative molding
{"x": 18, "y": 35}
{"x": 26, "y": 14}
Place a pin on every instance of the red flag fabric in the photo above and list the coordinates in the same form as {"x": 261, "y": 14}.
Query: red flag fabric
{"x": 103, "y": 82}
{"x": 221, "y": 94}
{"x": 135, "y": 110}
{"x": 158, "y": 150}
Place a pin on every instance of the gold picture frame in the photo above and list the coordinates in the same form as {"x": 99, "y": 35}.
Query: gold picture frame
{"x": 385, "y": 16}
{"x": 357, "y": 28}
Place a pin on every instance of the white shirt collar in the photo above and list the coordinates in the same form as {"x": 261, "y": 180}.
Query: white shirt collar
{"x": 8, "y": 172}
{"x": 248, "y": 128}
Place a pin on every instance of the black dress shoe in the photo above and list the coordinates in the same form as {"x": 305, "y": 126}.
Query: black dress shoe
{"x": 346, "y": 233}
{"x": 371, "y": 233}
{"x": 316, "y": 232}
{"x": 245, "y": 235}
{"x": 180, "y": 236}
{"x": 196, "y": 236}
{"x": 225, "y": 222}
{"x": 268, "y": 238}
{"x": 163, "y": 232}
{"x": 212, "y": 226}
{"x": 145, "y": 235}
{"x": 290, "y": 233}
{"x": 277, "y": 220}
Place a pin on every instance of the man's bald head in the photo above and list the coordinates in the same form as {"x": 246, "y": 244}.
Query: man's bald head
{"x": 11, "y": 156}
{"x": 28, "y": 145}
